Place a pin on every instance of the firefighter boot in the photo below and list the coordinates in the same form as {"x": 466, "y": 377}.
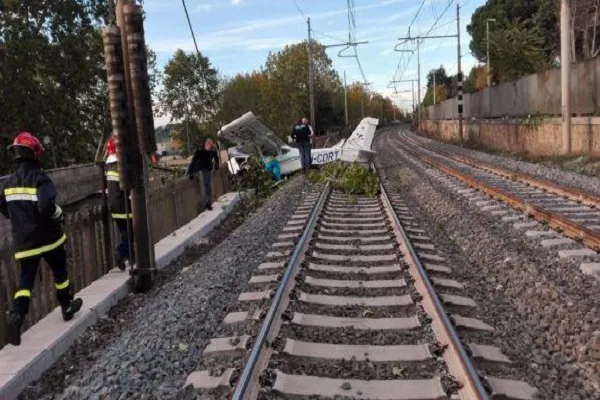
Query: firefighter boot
{"x": 14, "y": 328}
{"x": 120, "y": 260}
{"x": 69, "y": 311}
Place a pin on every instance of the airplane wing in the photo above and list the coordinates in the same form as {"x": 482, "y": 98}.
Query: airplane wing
{"x": 248, "y": 130}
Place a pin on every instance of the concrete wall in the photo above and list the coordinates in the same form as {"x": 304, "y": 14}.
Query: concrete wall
{"x": 74, "y": 183}
{"x": 538, "y": 94}
{"x": 536, "y": 137}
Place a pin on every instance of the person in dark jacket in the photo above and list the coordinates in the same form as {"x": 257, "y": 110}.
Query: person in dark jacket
{"x": 301, "y": 134}
{"x": 205, "y": 160}
{"x": 119, "y": 206}
{"x": 28, "y": 199}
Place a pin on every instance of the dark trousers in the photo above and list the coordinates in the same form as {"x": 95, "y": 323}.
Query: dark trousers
{"x": 207, "y": 181}
{"x": 57, "y": 260}
{"x": 123, "y": 247}
{"x": 305, "y": 157}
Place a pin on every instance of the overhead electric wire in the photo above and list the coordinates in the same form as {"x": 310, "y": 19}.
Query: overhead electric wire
{"x": 437, "y": 20}
{"x": 300, "y": 10}
{"x": 328, "y": 35}
{"x": 191, "y": 28}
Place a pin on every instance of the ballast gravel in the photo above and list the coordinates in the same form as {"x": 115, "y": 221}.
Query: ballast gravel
{"x": 587, "y": 183}
{"x": 155, "y": 340}
{"x": 544, "y": 311}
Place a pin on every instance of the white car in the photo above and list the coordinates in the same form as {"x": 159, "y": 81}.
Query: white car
{"x": 253, "y": 138}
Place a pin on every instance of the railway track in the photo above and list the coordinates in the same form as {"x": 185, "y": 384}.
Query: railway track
{"x": 354, "y": 301}
{"x": 568, "y": 211}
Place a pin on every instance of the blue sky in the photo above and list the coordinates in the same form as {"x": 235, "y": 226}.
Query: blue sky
{"x": 237, "y": 35}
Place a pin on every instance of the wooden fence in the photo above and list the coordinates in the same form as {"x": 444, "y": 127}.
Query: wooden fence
{"x": 172, "y": 204}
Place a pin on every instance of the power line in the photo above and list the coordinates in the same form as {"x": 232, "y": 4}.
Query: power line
{"x": 327, "y": 35}
{"x": 191, "y": 28}
{"x": 299, "y": 10}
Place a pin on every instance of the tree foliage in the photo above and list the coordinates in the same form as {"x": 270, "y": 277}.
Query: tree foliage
{"x": 190, "y": 86}
{"x": 279, "y": 94}
{"x": 285, "y": 91}
{"x": 443, "y": 86}
{"x": 52, "y": 79}
{"x": 526, "y": 35}
{"x": 518, "y": 51}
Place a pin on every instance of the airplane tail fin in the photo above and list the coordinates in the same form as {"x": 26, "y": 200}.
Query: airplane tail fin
{"x": 362, "y": 137}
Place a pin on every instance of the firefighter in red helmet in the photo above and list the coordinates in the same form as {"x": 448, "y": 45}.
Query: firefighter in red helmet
{"x": 119, "y": 205}
{"x": 28, "y": 199}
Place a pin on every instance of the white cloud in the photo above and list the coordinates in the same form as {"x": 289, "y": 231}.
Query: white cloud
{"x": 386, "y": 52}
{"x": 205, "y": 7}
{"x": 236, "y": 2}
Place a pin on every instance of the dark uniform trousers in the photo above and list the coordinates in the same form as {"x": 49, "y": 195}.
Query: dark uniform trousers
{"x": 57, "y": 260}
{"x": 28, "y": 200}
{"x": 117, "y": 200}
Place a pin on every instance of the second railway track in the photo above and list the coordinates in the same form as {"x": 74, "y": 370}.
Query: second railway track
{"x": 354, "y": 301}
{"x": 569, "y": 211}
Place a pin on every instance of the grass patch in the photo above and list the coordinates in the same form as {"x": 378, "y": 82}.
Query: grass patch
{"x": 351, "y": 179}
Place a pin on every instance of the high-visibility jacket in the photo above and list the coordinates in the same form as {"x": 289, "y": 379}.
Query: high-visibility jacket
{"x": 28, "y": 199}
{"x": 116, "y": 196}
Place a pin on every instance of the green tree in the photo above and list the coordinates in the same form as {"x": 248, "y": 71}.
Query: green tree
{"x": 443, "y": 84}
{"x": 190, "y": 91}
{"x": 190, "y": 85}
{"x": 285, "y": 91}
{"x": 241, "y": 94}
{"x": 52, "y": 79}
{"x": 518, "y": 51}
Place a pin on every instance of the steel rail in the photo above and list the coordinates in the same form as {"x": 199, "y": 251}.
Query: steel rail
{"x": 556, "y": 221}
{"x": 578, "y": 195}
{"x": 262, "y": 341}
{"x": 457, "y": 358}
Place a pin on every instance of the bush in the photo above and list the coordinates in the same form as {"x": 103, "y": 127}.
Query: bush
{"x": 351, "y": 179}
{"x": 255, "y": 177}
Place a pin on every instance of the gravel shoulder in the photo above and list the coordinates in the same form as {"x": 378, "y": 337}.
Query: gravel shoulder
{"x": 147, "y": 345}
{"x": 587, "y": 183}
{"x": 545, "y": 312}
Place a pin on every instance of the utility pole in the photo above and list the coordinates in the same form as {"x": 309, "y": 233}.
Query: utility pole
{"x": 487, "y": 44}
{"x": 565, "y": 74}
{"x": 412, "y": 81}
{"x": 419, "y": 84}
{"x": 362, "y": 103}
{"x": 131, "y": 115}
{"x": 460, "y": 78}
{"x": 346, "y": 101}
{"x": 310, "y": 79}
{"x": 413, "y": 97}
{"x": 434, "y": 71}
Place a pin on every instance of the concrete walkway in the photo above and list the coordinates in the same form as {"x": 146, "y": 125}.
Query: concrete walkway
{"x": 46, "y": 341}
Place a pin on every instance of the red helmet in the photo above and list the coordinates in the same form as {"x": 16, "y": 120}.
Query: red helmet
{"x": 111, "y": 146}
{"x": 27, "y": 140}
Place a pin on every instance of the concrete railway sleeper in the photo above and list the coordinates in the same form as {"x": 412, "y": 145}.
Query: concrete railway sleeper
{"x": 576, "y": 221}
{"x": 365, "y": 309}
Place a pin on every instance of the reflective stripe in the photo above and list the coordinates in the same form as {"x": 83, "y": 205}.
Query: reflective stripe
{"x": 121, "y": 216}
{"x": 40, "y": 250}
{"x": 23, "y": 293}
{"x": 60, "y": 286}
{"x": 58, "y": 211}
{"x": 21, "y": 197}
{"x": 112, "y": 176}
{"x": 20, "y": 190}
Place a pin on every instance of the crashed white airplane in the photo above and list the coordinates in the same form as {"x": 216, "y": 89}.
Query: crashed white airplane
{"x": 252, "y": 137}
